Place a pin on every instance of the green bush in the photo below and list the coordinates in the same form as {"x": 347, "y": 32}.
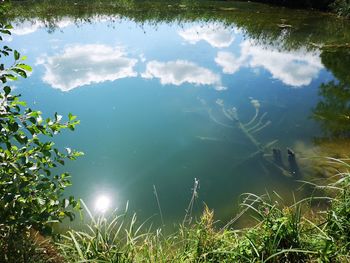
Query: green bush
{"x": 31, "y": 197}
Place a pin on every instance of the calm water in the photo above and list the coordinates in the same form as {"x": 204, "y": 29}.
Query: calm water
{"x": 156, "y": 102}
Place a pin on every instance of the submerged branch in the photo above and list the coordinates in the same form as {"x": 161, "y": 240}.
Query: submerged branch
{"x": 259, "y": 122}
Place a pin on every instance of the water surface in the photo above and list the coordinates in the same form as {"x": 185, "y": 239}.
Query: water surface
{"x": 159, "y": 97}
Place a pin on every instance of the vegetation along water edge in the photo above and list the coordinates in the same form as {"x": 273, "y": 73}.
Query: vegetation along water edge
{"x": 32, "y": 201}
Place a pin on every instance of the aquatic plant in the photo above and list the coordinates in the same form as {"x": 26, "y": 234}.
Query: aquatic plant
{"x": 249, "y": 129}
{"x": 253, "y": 126}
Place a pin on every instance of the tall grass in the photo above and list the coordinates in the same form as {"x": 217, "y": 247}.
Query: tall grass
{"x": 282, "y": 233}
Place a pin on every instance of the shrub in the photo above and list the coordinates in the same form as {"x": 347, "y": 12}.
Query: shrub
{"x": 31, "y": 197}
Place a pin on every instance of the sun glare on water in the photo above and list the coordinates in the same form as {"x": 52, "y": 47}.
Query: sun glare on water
{"x": 102, "y": 203}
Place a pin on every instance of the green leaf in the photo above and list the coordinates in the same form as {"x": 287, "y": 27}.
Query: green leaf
{"x": 5, "y": 31}
{"x": 16, "y": 55}
{"x": 24, "y": 67}
{"x": 20, "y": 72}
{"x": 13, "y": 126}
{"x": 11, "y": 77}
{"x": 40, "y": 200}
{"x": 7, "y": 90}
{"x": 71, "y": 117}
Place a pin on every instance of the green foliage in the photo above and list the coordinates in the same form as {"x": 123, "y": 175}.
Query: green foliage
{"x": 31, "y": 196}
{"x": 278, "y": 235}
{"x": 341, "y": 7}
{"x": 338, "y": 221}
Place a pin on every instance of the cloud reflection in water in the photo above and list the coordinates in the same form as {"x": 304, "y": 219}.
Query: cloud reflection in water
{"x": 181, "y": 71}
{"x": 216, "y": 35}
{"x": 294, "y": 68}
{"x": 27, "y": 27}
{"x": 80, "y": 65}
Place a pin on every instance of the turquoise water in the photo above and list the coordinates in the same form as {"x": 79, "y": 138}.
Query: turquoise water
{"x": 150, "y": 99}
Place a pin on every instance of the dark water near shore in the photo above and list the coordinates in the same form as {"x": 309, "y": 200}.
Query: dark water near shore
{"x": 162, "y": 100}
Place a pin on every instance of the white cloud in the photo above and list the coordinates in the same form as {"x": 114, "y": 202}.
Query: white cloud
{"x": 181, "y": 71}
{"x": 294, "y": 68}
{"x": 80, "y": 65}
{"x": 216, "y": 35}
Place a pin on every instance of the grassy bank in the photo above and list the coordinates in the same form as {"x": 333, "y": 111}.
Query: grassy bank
{"x": 296, "y": 233}
{"x": 316, "y": 229}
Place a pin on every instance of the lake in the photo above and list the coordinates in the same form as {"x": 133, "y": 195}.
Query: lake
{"x": 169, "y": 93}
